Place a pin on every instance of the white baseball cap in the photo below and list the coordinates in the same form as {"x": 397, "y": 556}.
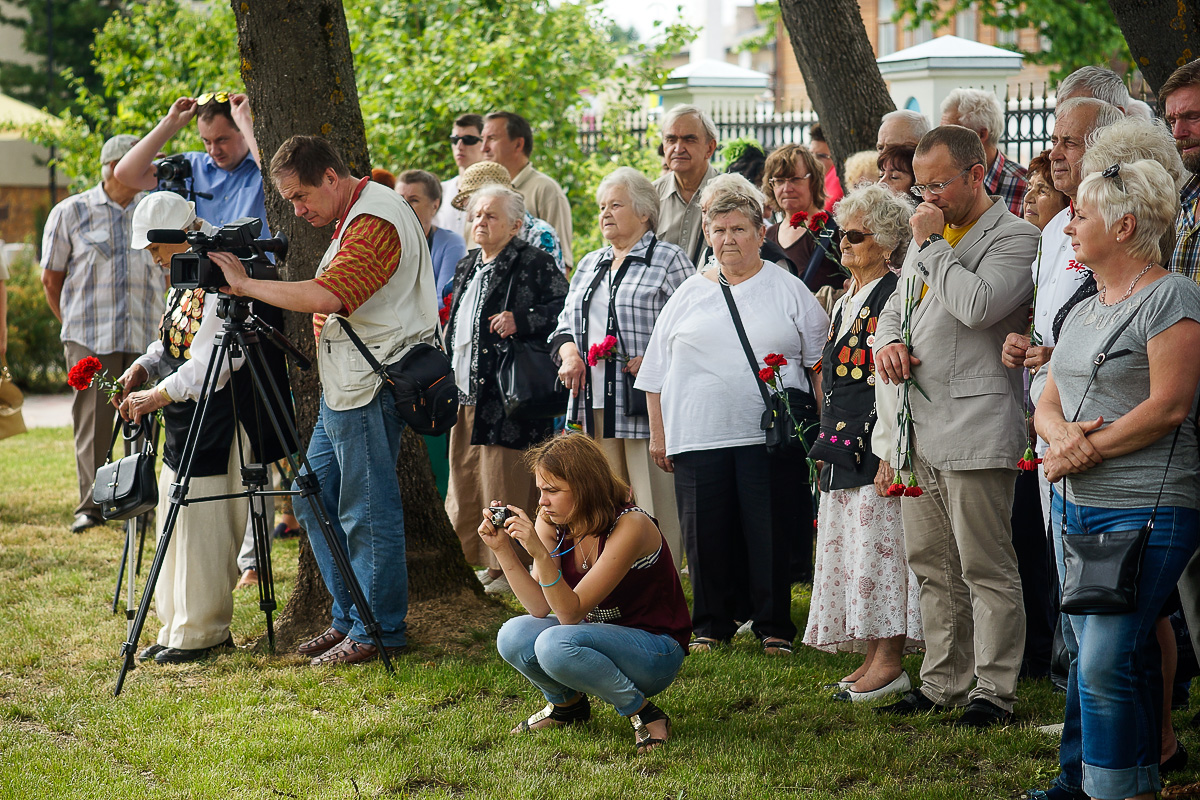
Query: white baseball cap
{"x": 160, "y": 210}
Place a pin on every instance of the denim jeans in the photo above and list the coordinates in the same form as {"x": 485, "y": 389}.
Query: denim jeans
{"x": 1112, "y": 727}
{"x": 622, "y": 666}
{"x": 353, "y": 454}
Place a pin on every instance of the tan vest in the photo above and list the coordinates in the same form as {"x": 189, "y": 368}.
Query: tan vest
{"x": 402, "y": 313}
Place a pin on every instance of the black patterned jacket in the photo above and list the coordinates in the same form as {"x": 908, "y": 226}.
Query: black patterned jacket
{"x": 538, "y": 292}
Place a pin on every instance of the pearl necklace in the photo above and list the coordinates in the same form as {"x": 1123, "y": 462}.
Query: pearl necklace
{"x": 1131, "y": 285}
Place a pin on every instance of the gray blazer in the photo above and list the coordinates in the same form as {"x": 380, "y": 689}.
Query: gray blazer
{"x": 979, "y": 292}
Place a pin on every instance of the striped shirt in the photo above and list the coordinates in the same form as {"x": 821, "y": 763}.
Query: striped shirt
{"x": 367, "y": 259}
{"x": 112, "y": 296}
{"x": 1186, "y": 258}
{"x": 1006, "y": 180}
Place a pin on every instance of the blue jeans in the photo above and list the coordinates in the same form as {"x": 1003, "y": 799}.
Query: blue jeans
{"x": 1112, "y": 727}
{"x": 353, "y": 454}
{"x": 622, "y": 666}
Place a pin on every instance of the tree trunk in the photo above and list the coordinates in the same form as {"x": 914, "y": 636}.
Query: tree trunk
{"x": 1162, "y": 36}
{"x": 840, "y": 73}
{"x": 299, "y": 74}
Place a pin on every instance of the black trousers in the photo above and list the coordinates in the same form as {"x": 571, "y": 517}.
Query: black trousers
{"x": 1039, "y": 578}
{"x": 738, "y": 509}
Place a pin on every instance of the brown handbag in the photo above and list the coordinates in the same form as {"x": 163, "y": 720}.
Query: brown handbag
{"x": 11, "y": 401}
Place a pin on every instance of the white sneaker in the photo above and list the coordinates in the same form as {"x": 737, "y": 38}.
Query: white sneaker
{"x": 499, "y": 585}
{"x": 484, "y": 576}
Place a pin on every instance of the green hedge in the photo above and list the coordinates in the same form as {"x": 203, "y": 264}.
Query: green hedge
{"x": 35, "y": 354}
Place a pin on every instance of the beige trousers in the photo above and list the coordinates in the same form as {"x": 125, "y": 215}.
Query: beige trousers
{"x": 958, "y": 536}
{"x": 194, "y": 593}
{"x": 653, "y": 489}
{"x": 92, "y": 417}
{"x": 480, "y": 474}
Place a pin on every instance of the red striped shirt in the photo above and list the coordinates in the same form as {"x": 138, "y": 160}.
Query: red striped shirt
{"x": 366, "y": 260}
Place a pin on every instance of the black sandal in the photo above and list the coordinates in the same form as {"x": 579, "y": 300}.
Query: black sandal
{"x": 703, "y": 644}
{"x": 641, "y": 734}
{"x": 579, "y": 711}
{"x": 780, "y": 646}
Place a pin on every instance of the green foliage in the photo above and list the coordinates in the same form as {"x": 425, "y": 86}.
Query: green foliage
{"x": 75, "y": 23}
{"x": 768, "y": 15}
{"x": 1079, "y": 34}
{"x": 35, "y": 353}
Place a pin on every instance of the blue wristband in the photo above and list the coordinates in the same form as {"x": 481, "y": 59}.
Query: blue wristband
{"x": 548, "y": 585}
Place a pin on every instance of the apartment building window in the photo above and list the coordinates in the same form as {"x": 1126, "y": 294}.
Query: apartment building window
{"x": 965, "y": 24}
{"x": 886, "y": 40}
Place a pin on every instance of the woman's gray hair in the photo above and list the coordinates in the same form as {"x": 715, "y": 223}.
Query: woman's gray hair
{"x": 513, "y": 204}
{"x": 642, "y": 195}
{"x": 1132, "y": 139}
{"x": 1142, "y": 189}
{"x": 882, "y": 213}
{"x": 732, "y": 192}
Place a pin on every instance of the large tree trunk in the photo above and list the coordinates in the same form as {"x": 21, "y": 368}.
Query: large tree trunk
{"x": 299, "y": 75}
{"x": 1162, "y": 35}
{"x": 840, "y": 73}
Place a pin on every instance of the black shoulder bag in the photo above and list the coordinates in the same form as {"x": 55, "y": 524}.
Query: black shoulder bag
{"x": 127, "y": 487}
{"x": 782, "y": 438}
{"x": 527, "y": 376}
{"x": 1101, "y": 570}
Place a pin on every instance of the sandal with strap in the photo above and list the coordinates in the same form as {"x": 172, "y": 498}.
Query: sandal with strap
{"x": 641, "y": 734}
{"x": 774, "y": 646}
{"x": 579, "y": 711}
{"x": 703, "y": 644}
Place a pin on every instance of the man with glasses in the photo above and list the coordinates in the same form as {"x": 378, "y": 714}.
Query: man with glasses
{"x": 966, "y": 280}
{"x": 466, "y": 143}
{"x": 981, "y": 112}
{"x": 226, "y": 176}
{"x": 689, "y": 141}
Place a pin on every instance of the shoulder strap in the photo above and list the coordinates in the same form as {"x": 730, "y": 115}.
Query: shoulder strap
{"x": 376, "y": 367}
{"x": 741, "y": 332}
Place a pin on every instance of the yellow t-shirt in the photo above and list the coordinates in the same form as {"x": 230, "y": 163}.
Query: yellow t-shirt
{"x": 952, "y": 236}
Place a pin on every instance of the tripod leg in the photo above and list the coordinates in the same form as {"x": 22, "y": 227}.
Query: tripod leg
{"x": 121, "y": 567}
{"x": 262, "y": 561}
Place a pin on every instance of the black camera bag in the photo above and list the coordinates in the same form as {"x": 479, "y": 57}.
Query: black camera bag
{"x": 127, "y": 488}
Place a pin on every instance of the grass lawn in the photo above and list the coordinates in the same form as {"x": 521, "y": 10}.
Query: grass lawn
{"x": 251, "y": 725}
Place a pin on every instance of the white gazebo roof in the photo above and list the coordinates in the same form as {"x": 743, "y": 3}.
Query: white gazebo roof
{"x": 950, "y": 53}
{"x": 710, "y": 73}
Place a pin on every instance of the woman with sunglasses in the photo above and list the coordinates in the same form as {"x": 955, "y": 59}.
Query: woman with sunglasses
{"x": 1122, "y": 452}
{"x": 794, "y": 183}
{"x": 864, "y": 595}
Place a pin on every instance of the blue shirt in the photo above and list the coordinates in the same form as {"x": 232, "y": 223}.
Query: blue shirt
{"x": 236, "y": 193}
{"x": 447, "y": 249}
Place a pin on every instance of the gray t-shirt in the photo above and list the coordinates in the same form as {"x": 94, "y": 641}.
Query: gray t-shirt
{"x": 1122, "y": 382}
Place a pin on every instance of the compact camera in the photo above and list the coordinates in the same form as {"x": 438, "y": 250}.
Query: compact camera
{"x": 195, "y": 270}
{"x": 499, "y": 515}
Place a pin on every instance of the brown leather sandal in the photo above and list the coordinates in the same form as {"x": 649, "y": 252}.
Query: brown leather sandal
{"x": 331, "y": 638}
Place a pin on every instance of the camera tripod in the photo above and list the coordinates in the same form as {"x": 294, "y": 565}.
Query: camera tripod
{"x": 241, "y": 335}
{"x": 135, "y": 527}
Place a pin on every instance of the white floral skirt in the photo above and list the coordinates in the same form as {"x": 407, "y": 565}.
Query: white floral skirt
{"x": 863, "y": 589}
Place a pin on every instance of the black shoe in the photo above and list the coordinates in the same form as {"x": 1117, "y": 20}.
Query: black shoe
{"x": 177, "y": 655}
{"x": 915, "y": 702}
{"x": 1176, "y": 762}
{"x": 981, "y": 714}
{"x": 148, "y": 653}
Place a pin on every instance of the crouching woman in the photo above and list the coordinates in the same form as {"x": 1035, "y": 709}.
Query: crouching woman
{"x": 607, "y": 616}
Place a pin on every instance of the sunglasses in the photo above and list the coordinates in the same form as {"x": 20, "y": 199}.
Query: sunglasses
{"x": 853, "y": 237}
{"x": 212, "y": 97}
{"x": 468, "y": 140}
{"x": 1113, "y": 173}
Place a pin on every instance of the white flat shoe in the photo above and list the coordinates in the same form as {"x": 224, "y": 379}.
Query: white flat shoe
{"x": 901, "y": 684}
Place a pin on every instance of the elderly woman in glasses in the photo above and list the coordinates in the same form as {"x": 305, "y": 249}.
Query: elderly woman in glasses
{"x": 1122, "y": 452}
{"x": 740, "y": 507}
{"x": 794, "y": 183}
{"x": 864, "y": 595}
{"x": 618, "y": 292}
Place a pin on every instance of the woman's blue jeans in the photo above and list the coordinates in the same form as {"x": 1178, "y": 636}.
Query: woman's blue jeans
{"x": 622, "y": 666}
{"x": 353, "y": 454}
{"x": 1113, "y": 722}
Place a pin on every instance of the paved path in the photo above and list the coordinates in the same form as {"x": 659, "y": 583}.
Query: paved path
{"x": 47, "y": 410}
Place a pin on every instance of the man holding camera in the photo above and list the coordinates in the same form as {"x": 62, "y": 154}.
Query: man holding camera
{"x": 108, "y": 298}
{"x": 228, "y": 168}
{"x": 378, "y": 277}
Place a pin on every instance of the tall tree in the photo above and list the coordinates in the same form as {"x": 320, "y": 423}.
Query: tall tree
{"x": 1162, "y": 36}
{"x": 840, "y": 73}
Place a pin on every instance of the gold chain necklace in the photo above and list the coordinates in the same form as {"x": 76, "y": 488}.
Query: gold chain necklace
{"x": 1131, "y": 285}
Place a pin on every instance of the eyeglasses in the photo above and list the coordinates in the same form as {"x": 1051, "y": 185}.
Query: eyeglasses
{"x": 794, "y": 181}
{"x": 919, "y": 189}
{"x": 853, "y": 237}
{"x": 1114, "y": 172}
{"x": 212, "y": 97}
{"x": 468, "y": 140}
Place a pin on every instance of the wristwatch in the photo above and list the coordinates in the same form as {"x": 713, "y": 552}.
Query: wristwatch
{"x": 933, "y": 237}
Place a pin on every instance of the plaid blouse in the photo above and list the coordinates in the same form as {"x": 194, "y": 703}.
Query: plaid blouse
{"x": 640, "y": 297}
{"x": 1186, "y": 258}
{"x": 1006, "y": 179}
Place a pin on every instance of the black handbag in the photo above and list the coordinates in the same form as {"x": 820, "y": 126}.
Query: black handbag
{"x": 127, "y": 488}
{"x": 783, "y": 420}
{"x": 1101, "y": 570}
{"x": 527, "y": 377}
{"x": 845, "y": 447}
{"x": 422, "y": 382}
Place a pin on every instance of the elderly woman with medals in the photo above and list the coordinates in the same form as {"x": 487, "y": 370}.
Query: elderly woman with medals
{"x": 193, "y": 597}
{"x": 864, "y": 596}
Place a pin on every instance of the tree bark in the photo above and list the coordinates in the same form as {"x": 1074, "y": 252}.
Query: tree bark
{"x": 299, "y": 74}
{"x": 1162, "y": 36}
{"x": 840, "y": 73}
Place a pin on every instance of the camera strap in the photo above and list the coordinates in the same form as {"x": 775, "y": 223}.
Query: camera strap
{"x": 376, "y": 367}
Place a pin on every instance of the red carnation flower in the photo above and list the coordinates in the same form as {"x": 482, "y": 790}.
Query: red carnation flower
{"x": 766, "y": 375}
{"x": 818, "y": 221}
{"x": 799, "y": 218}
{"x": 444, "y": 311}
{"x": 913, "y": 491}
{"x": 775, "y": 360}
{"x": 896, "y": 489}
{"x": 80, "y": 376}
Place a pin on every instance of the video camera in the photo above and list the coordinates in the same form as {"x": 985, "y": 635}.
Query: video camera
{"x": 173, "y": 174}
{"x": 195, "y": 270}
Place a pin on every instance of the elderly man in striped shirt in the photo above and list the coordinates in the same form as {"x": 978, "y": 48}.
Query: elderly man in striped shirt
{"x": 108, "y": 297}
